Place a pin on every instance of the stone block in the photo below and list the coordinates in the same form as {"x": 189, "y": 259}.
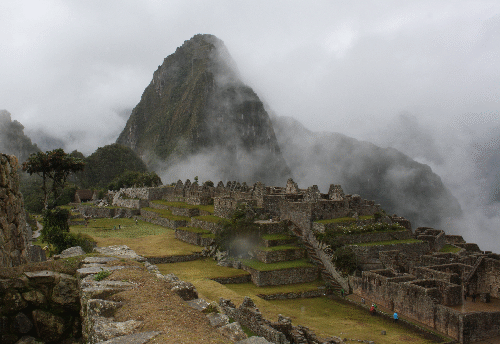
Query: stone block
{"x": 21, "y": 323}
{"x": 185, "y": 290}
{"x": 233, "y": 332}
{"x": 49, "y": 327}
{"x": 218, "y": 319}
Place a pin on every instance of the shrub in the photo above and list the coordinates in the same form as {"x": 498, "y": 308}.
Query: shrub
{"x": 345, "y": 260}
{"x": 56, "y": 232}
{"x": 102, "y": 275}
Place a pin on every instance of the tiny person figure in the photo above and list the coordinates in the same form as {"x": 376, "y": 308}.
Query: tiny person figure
{"x": 474, "y": 297}
{"x": 114, "y": 228}
{"x": 372, "y": 309}
{"x": 119, "y": 226}
{"x": 363, "y": 300}
{"x": 342, "y": 292}
{"x": 396, "y": 318}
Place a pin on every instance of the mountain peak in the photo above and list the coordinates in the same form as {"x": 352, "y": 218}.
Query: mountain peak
{"x": 197, "y": 104}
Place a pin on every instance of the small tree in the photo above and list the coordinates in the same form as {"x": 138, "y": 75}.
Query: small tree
{"x": 345, "y": 260}
{"x": 54, "y": 167}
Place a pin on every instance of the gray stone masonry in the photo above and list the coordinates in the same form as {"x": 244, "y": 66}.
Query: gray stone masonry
{"x": 14, "y": 236}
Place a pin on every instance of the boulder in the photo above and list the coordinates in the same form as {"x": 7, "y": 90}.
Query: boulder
{"x": 34, "y": 297}
{"x": 185, "y": 290}
{"x": 218, "y": 319}
{"x": 70, "y": 252}
{"x": 65, "y": 292}
{"x": 232, "y": 332}
{"x": 21, "y": 323}
{"x": 49, "y": 327}
{"x": 198, "y": 304}
{"x": 136, "y": 338}
{"x": 105, "y": 329}
{"x": 254, "y": 340}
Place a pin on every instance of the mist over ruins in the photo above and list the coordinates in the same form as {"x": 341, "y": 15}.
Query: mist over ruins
{"x": 283, "y": 205}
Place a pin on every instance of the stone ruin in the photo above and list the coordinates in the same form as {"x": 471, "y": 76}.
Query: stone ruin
{"x": 14, "y": 235}
{"x": 398, "y": 276}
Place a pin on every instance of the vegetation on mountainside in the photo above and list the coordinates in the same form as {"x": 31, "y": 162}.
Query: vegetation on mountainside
{"x": 107, "y": 163}
{"x": 136, "y": 179}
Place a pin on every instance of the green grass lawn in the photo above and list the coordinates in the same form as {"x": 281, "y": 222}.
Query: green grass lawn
{"x": 166, "y": 213}
{"x": 277, "y": 237}
{"x": 210, "y": 218}
{"x": 327, "y": 317}
{"x": 145, "y": 238}
{"x": 390, "y": 242}
{"x": 450, "y": 249}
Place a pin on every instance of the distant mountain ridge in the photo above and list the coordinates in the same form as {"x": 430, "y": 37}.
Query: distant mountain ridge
{"x": 400, "y": 184}
{"x": 13, "y": 141}
{"x": 197, "y": 104}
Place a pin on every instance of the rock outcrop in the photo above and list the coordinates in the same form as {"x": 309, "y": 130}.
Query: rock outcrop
{"x": 14, "y": 237}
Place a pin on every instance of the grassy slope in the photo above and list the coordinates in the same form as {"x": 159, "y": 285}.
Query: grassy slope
{"x": 145, "y": 238}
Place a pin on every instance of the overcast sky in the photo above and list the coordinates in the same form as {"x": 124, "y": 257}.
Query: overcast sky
{"x": 335, "y": 65}
{"x": 69, "y": 67}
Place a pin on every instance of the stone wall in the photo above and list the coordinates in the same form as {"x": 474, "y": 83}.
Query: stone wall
{"x": 368, "y": 253}
{"x": 154, "y": 217}
{"x": 130, "y": 203}
{"x": 43, "y": 304}
{"x": 488, "y": 277}
{"x": 285, "y": 276}
{"x": 427, "y": 301}
{"x": 249, "y": 315}
{"x": 375, "y": 236}
{"x": 213, "y": 227}
{"x": 451, "y": 273}
{"x": 14, "y": 236}
{"x": 107, "y": 212}
{"x": 279, "y": 255}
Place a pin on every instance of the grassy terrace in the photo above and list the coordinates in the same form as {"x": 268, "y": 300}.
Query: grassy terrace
{"x": 257, "y": 265}
{"x": 166, "y": 213}
{"x": 210, "y": 218}
{"x": 390, "y": 242}
{"x": 278, "y": 248}
{"x": 450, "y": 249}
{"x": 276, "y": 237}
{"x": 209, "y": 208}
{"x": 327, "y": 317}
{"x": 145, "y": 238}
{"x": 343, "y": 219}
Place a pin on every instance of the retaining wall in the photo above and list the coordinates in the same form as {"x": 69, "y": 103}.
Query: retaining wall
{"x": 284, "y": 276}
{"x": 43, "y": 304}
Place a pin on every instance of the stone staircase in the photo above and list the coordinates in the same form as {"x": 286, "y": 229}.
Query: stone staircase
{"x": 325, "y": 274}
{"x": 473, "y": 271}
